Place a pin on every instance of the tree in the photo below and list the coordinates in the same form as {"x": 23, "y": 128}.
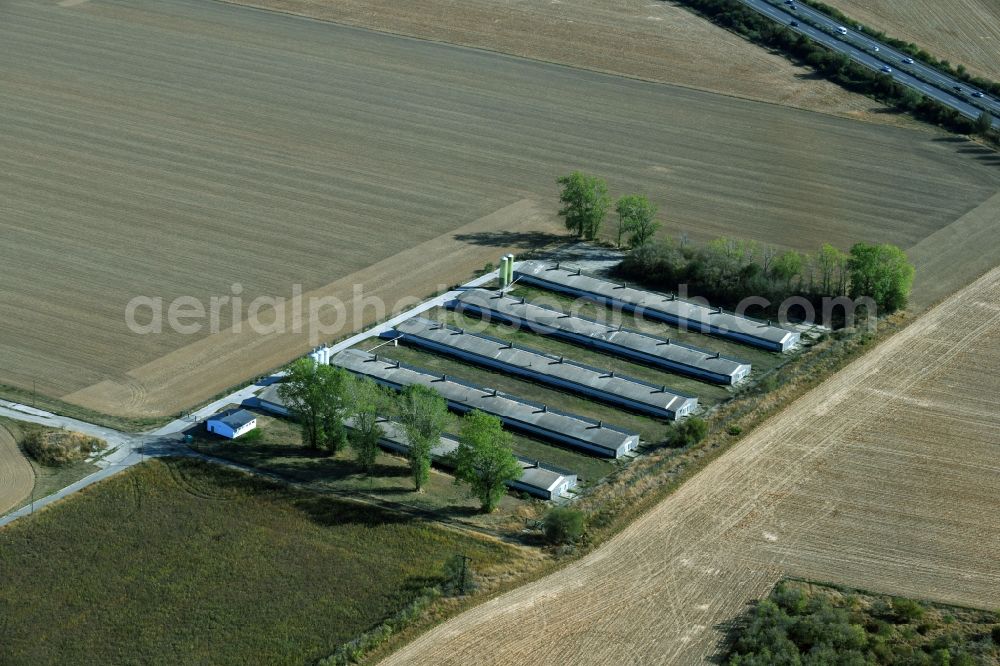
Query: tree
{"x": 636, "y": 218}
{"x": 984, "y": 123}
{"x": 786, "y": 266}
{"x": 369, "y": 402}
{"x": 828, "y": 261}
{"x": 882, "y": 273}
{"x": 563, "y": 525}
{"x": 424, "y": 415}
{"x": 317, "y": 396}
{"x": 585, "y": 202}
{"x": 484, "y": 458}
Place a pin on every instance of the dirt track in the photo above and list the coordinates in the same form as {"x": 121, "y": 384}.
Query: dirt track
{"x": 168, "y": 149}
{"x": 16, "y": 476}
{"x": 885, "y": 477}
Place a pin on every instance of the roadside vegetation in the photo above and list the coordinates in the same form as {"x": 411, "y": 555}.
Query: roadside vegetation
{"x": 58, "y": 447}
{"x": 180, "y": 561}
{"x": 836, "y": 67}
{"x": 48, "y": 478}
{"x": 803, "y": 623}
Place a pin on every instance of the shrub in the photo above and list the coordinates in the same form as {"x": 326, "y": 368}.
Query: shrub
{"x": 734, "y": 430}
{"x": 56, "y": 448}
{"x": 563, "y": 525}
{"x": 688, "y": 432}
{"x": 906, "y": 610}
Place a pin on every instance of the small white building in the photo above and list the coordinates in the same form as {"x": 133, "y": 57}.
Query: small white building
{"x": 232, "y": 423}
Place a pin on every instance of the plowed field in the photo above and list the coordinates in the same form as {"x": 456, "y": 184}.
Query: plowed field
{"x": 885, "y": 478}
{"x": 192, "y": 148}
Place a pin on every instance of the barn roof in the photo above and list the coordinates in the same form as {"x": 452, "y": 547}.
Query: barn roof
{"x": 234, "y": 418}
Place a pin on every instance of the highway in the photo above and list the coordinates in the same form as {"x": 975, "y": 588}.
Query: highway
{"x": 876, "y": 55}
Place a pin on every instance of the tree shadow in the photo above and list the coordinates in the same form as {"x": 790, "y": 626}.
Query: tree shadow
{"x": 333, "y": 512}
{"x": 520, "y": 240}
{"x": 976, "y": 150}
{"x": 455, "y": 511}
{"x": 728, "y": 631}
{"x": 811, "y": 75}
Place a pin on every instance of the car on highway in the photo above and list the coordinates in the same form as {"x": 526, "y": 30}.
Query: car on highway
{"x": 794, "y": 24}
{"x": 978, "y": 94}
{"x": 875, "y": 49}
{"x": 908, "y": 61}
{"x": 887, "y": 69}
{"x": 957, "y": 88}
{"x": 841, "y": 29}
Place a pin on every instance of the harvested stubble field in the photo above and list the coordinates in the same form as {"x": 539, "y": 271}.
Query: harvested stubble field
{"x": 16, "y": 476}
{"x": 647, "y": 39}
{"x": 174, "y": 149}
{"x": 964, "y": 32}
{"x": 885, "y": 477}
{"x": 183, "y": 562}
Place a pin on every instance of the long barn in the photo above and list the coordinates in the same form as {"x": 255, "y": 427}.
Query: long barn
{"x": 667, "y": 308}
{"x": 548, "y": 369}
{"x": 537, "y": 478}
{"x": 588, "y": 435}
{"x": 650, "y": 350}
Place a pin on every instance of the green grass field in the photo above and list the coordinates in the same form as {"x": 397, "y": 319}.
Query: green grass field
{"x": 182, "y": 562}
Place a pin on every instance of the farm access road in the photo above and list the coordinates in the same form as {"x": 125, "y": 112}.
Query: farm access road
{"x": 128, "y": 449}
{"x": 884, "y": 477}
{"x": 183, "y": 148}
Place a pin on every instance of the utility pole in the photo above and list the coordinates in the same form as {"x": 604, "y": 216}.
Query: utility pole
{"x": 465, "y": 560}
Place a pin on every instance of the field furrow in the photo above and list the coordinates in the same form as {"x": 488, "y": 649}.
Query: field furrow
{"x": 884, "y": 477}
{"x": 194, "y": 148}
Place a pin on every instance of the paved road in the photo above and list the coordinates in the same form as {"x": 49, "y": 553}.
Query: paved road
{"x": 875, "y": 55}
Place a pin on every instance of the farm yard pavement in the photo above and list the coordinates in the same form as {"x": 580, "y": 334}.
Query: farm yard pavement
{"x": 167, "y": 149}
{"x": 885, "y": 477}
{"x": 964, "y": 32}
